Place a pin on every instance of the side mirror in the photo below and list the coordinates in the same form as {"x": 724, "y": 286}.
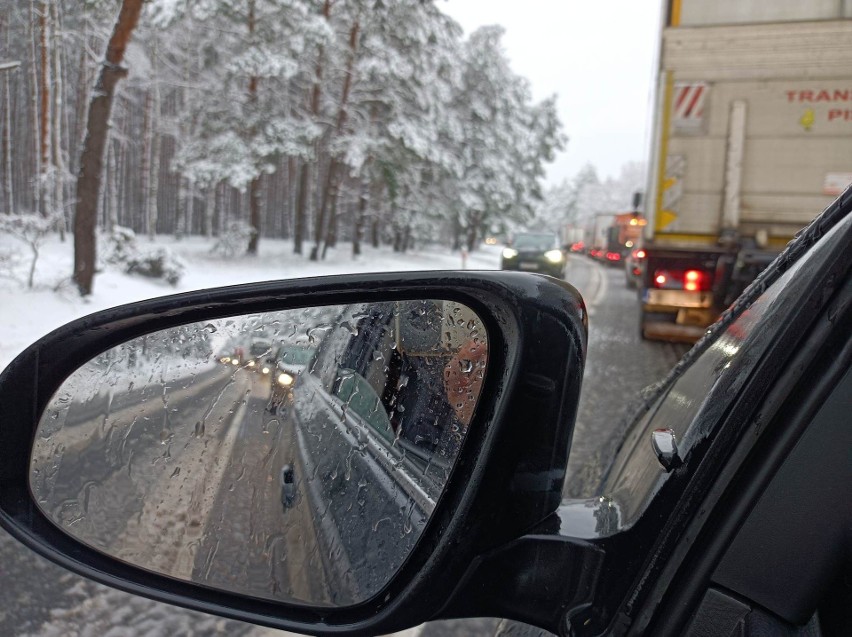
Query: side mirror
{"x": 346, "y": 454}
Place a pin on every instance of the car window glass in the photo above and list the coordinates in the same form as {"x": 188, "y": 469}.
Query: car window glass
{"x": 361, "y": 399}
{"x": 535, "y": 242}
{"x": 636, "y": 473}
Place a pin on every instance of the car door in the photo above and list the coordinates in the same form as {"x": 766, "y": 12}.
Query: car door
{"x": 728, "y": 484}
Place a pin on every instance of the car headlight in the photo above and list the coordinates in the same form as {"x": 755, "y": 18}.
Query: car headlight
{"x": 235, "y": 361}
{"x": 554, "y": 256}
{"x": 251, "y": 363}
{"x": 285, "y": 380}
{"x": 265, "y": 370}
{"x": 226, "y": 359}
{"x": 509, "y": 253}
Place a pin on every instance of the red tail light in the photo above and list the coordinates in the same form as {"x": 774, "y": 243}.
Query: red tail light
{"x": 692, "y": 280}
{"x": 613, "y": 256}
{"x": 689, "y": 280}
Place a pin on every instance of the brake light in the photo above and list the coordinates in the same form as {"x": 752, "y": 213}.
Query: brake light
{"x": 613, "y": 256}
{"x": 689, "y": 280}
{"x": 692, "y": 280}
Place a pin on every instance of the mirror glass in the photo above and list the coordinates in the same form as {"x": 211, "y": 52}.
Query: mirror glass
{"x": 293, "y": 455}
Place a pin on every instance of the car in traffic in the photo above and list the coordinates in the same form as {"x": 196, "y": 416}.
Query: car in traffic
{"x": 259, "y": 357}
{"x": 534, "y": 252}
{"x": 729, "y": 467}
{"x": 286, "y": 366}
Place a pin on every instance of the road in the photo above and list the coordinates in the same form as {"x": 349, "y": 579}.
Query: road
{"x": 38, "y": 598}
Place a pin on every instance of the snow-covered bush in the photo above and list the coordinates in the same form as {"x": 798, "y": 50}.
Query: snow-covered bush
{"x": 119, "y": 246}
{"x": 31, "y": 230}
{"x": 157, "y": 263}
{"x": 234, "y": 239}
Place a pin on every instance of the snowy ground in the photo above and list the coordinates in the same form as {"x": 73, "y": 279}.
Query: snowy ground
{"x": 26, "y": 315}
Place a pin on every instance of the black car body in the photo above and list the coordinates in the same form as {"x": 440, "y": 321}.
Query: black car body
{"x": 534, "y": 252}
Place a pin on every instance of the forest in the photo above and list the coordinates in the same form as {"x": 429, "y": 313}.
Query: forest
{"x": 319, "y": 121}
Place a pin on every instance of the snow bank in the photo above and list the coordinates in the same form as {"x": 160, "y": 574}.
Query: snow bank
{"x": 26, "y": 315}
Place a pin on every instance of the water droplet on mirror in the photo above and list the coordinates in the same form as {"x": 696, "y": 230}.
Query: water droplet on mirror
{"x": 466, "y": 365}
{"x": 176, "y": 472}
{"x": 199, "y": 429}
{"x": 210, "y": 328}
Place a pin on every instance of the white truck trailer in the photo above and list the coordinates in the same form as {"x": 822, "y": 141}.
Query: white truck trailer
{"x": 752, "y": 138}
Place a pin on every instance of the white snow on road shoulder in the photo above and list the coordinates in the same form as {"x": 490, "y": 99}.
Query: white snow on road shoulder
{"x": 26, "y": 315}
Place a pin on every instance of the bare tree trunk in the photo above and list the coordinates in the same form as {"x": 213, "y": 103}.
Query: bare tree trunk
{"x": 254, "y": 214}
{"x": 56, "y": 128}
{"x": 112, "y": 188}
{"x": 44, "y": 112}
{"x": 457, "y": 233}
{"x": 145, "y": 168}
{"x": 301, "y": 208}
{"x": 290, "y": 200}
{"x": 360, "y": 218}
{"x": 190, "y": 208}
{"x": 91, "y": 159}
{"x": 8, "y": 186}
{"x": 301, "y": 216}
{"x": 80, "y": 107}
{"x": 472, "y": 231}
{"x": 332, "y": 180}
{"x": 222, "y": 218}
{"x": 209, "y": 210}
{"x": 331, "y": 231}
{"x": 34, "y": 83}
{"x": 152, "y": 209}
{"x": 180, "y": 211}
{"x": 254, "y": 186}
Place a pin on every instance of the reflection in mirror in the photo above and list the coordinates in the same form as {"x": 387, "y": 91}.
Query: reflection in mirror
{"x": 293, "y": 455}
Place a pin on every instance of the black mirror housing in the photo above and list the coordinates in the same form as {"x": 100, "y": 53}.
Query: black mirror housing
{"x": 507, "y": 480}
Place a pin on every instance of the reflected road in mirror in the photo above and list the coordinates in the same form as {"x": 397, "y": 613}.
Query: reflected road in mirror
{"x": 293, "y": 455}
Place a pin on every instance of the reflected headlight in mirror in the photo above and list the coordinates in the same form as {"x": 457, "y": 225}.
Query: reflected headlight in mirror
{"x": 285, "y": 380}
{"x": 509, "y": 253}
{"x": 265, "y": 370}
{"x": 235, "y": 361}
{"x": 251, "y": 363}
{"x": 225, "y": 359}
{"x": 554, "y": 256}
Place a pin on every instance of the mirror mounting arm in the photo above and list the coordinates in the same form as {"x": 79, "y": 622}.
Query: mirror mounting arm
{"x": 543, "y": 578}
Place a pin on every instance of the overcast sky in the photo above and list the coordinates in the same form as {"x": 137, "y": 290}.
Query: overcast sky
{"x": 598, "y": 57}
